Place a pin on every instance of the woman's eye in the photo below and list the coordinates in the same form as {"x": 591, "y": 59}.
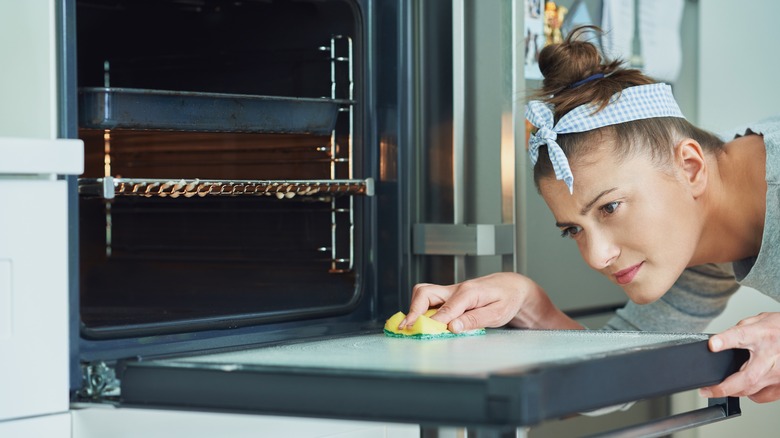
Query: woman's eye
{"x": 611, "y": 207}
{"x": 570, "y": 232}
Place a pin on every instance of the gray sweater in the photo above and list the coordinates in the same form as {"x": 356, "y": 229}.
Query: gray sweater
{"x": 701, "y": 292}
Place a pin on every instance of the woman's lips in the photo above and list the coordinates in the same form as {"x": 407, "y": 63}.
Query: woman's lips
{"x": 627, "y": 275}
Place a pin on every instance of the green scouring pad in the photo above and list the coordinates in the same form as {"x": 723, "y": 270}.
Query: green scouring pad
{"x": 424, "y": 328}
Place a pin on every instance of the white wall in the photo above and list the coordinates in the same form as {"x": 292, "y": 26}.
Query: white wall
{"x": 738, "y": 64}
{"x": 28, "y": 99}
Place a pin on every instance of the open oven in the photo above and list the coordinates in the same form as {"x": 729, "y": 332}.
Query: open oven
{"x": 233, "y": 172}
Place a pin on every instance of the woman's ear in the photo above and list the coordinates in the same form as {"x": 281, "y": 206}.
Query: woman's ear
{"x": 689, "y": 156}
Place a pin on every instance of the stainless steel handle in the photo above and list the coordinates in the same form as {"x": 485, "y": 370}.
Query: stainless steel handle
{"x": 463, "y": 239}
{"x": 458, "y": 124}
{"x": 484, "y": 140}
{"x": 718, "y": 409}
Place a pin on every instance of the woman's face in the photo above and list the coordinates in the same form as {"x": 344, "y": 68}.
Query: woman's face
{"x": 632, "y": 222}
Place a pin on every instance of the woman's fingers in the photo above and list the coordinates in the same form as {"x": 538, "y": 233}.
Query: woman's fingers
{"x": 759, "y": 377}
{"x": 497, "y": 296}
{"x": 477, "y": 318}
{"x": 424, "y": 296}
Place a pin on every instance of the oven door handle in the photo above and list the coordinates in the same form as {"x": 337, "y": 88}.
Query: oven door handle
{"x": 487, "y": 73}
{"x": 718, "y": 409}
{"x": 463, "y": 239}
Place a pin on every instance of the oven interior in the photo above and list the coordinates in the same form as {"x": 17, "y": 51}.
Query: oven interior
{"x": 225, "y": 182}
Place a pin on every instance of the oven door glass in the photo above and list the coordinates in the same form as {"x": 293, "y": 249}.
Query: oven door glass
{"x": 505, "y": 378}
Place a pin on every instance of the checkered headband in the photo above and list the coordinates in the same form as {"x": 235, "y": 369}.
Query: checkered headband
{"x": 633, "y": 103}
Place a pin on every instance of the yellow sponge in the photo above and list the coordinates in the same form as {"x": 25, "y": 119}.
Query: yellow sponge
{"x": 423, "y": 328}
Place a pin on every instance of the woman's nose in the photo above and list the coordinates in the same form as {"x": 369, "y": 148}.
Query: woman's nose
{"x": 599, "y": 250}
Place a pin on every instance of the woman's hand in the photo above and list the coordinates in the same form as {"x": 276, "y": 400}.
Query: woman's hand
{"x": 759, "y": 377}
{"x": 490, "y": 301}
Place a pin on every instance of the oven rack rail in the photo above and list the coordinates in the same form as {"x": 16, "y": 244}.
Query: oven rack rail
{"x": 110, "y": 187}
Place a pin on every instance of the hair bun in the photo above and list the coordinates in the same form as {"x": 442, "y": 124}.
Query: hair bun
{"x": 568, "y": 62}
{"x": 569, "y": 68}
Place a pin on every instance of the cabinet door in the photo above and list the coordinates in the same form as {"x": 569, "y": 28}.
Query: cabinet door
{"x": 49, "y": 426}
{"x": 33, "y": 297}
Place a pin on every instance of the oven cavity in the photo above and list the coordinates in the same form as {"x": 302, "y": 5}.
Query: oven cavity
{"x": 223, "y": 181}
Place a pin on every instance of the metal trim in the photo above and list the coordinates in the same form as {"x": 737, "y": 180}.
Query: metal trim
{"x": 463, "y": 239}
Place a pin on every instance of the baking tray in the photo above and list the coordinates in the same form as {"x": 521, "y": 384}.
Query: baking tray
{"x": 506, "y": 378}
{"x": 131, "y": 108}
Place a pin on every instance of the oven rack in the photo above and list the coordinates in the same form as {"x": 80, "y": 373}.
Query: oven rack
{"x": 110, "y": 187}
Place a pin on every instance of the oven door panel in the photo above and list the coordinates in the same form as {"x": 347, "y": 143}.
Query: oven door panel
{"x": 507, "y": 378}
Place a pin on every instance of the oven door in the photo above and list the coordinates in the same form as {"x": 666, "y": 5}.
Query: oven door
{"x": 505, "y": 379}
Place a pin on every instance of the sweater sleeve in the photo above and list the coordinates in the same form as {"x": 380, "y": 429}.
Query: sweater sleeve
{"x": 699, "y": 295}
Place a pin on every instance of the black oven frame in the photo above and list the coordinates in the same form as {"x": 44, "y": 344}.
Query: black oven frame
{"x": 387, "y": 89}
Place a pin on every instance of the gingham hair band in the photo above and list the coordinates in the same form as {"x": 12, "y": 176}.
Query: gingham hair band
{"x": 633, "y": 103}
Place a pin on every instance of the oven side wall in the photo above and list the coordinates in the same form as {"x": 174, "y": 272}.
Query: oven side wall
{"x": 67, "y": 125}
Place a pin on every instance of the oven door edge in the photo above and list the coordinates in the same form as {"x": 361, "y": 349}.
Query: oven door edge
{"x": 360, "y": 379}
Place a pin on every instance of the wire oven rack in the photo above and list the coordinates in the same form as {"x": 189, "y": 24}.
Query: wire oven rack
{"x": 110, "y": 187}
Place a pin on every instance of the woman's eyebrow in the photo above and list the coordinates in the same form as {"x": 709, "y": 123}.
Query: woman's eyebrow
{"x": 586, "y": 208}
{"x": 590, "y": 204}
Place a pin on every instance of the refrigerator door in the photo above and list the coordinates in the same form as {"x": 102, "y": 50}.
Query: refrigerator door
{"x": 470, "y": 66}
{"x": 506, "y": 378}
{"x": 34, "y": 275}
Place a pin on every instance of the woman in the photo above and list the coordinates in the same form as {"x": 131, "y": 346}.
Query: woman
{"x": 671, "y": 213}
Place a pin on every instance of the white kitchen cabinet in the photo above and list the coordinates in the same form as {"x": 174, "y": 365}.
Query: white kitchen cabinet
{"x": 98, "y": 422}
{"x": 34, "y": 281}
{"x": 48, "y": 426}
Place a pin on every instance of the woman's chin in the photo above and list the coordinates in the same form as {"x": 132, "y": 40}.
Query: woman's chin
{"x": 642, "y": 296}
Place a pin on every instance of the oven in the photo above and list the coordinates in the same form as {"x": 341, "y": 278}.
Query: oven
{"x": 241, "y": 173}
